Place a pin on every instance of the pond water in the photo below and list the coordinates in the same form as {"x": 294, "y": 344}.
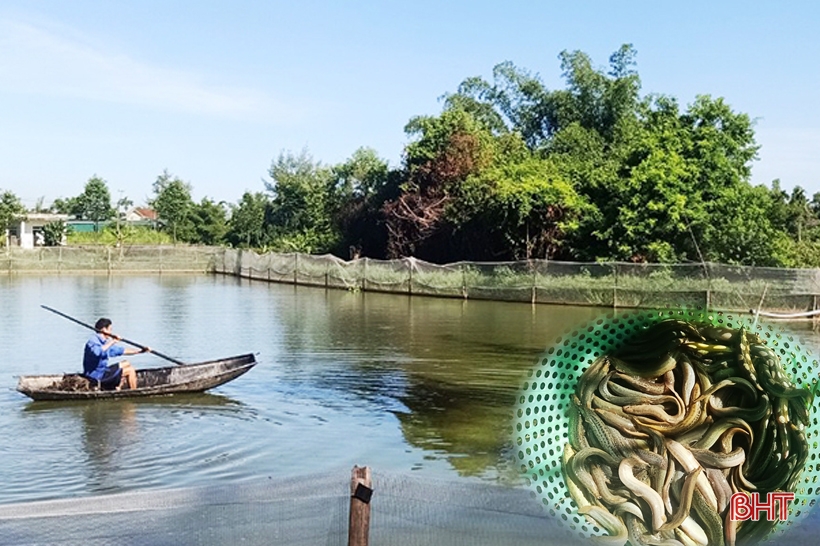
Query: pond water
{"x": 404, "y": 384}
{"x": 415, "y": 385}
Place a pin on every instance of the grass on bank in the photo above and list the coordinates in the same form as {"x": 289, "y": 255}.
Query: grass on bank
{"x": 128, "y": 236}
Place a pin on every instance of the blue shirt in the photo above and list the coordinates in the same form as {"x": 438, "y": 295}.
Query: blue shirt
{"x": 95, "y": 359}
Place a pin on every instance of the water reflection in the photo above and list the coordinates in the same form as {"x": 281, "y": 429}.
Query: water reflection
{"x": 345, "y": 378}
{"x": 107, "y": 430}
{"x": 109, "y": 437}
{"x": 448, "y": 370}
{"x": 192, "y": 401}
{"x": 470, "y": 428}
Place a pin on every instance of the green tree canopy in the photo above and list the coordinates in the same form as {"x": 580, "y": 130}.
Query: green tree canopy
{"x": 304, "y": 201}
{"x": 95, "y": 202}
{"x": 209, "y": 221}
{"x": 10, "y": 207}
{"x": 519, "y": 208}
{"x": 652, "y": 180}
{"x": 472, "y": 191}
{"x": 67, "y": 205}
{"x": 247, "y": 224}
{"x": 361, "y": 185}
{"x": 363, "y": 175}
{"x": 54, "y": 233}
{"x": 173, "y": 203}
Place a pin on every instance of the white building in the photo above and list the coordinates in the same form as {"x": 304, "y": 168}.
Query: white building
{"x": 27, "y": 231}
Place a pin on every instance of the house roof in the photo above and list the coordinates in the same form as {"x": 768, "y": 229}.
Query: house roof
{"x": 41, "y": 217}
{"x": 145, "y": 212}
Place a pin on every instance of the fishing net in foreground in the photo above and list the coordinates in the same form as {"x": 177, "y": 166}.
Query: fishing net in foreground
{"x": 310, "y": 510}
{"x": 748, "y": 394}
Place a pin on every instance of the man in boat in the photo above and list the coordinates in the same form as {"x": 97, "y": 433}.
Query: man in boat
{"x": 98, "y": 349}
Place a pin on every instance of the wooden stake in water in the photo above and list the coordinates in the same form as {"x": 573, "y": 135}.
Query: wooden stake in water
{"x": 360, "y": 493}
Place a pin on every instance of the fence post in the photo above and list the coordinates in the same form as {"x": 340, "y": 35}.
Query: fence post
{"x": 295, "y": 267}
{"x": 463, "y": 282}
{"x": 534, "y": 280}
{"x": 410, "y": 278}
{"x": 364, "y": 276}
{"x": 708, "y": 286}
{"x": 360, "y": 493}
{"x": 237, "y": 263}
{"x": 615, "y": 287}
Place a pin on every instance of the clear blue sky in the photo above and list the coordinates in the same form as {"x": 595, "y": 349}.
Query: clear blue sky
{"x": 215, "y": 90}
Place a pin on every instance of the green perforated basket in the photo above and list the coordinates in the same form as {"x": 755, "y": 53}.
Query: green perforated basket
{"x": 540, "y": 426}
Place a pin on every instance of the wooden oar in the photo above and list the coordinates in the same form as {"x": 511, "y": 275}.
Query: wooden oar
{"x": 135, "y": 344}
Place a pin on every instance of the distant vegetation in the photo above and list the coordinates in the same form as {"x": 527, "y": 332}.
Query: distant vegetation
{"x": 510, "y": 169}
{"x": 130, "y": 236}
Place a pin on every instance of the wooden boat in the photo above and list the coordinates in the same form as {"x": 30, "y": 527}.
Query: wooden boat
{"x": 150, "y": 381}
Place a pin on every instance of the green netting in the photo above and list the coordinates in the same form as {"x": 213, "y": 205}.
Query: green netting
{"x": 627, "y": 285}
{"x": 536, "y": 281}
{"x": 384, "y": 275}
{"x": 437, "y": 280}
{"x": 541, "y": 424}
{"x": 107, "y": 259}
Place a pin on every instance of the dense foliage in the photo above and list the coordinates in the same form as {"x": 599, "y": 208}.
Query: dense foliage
{"x": 54, "y": 233}
{"x": 95, "y": 202}
{"x": 510, "y": 169}
{"x": 10, "y": 208}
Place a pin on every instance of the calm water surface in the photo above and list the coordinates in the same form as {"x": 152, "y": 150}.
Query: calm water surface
{"x": 400, "y": 384}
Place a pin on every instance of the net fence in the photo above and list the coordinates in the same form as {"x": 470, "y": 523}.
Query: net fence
{"x": 107, "y": 259}
{"x": 612, "y": 284}
{"x": 309, "y": 510}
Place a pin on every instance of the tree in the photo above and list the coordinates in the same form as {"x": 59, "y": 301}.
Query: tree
{"x": 520, "y": 102}
{"x": 364, "y": 175}
{"x": 361, "y": 185}
{"x": 122, "y": 231}
{"x": 744, "y": 234}
{"x": 580, "y": 130}
{"x": 70, "y": 206}
{"x": 246, "y": 226}
{"x": 173, "y": 204}
{"x": 793, "y": 212}
{"x": 655, "y": 179}
{"x": 95, "y": 202}
{"x": 303, "y": 204}
{"x": 445, "y": 151}
{"x": 209, "y": 222}
{"x": 10, "y": 208}
{"x": 519, "y": 208}
{"x": 54, "y": 233}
